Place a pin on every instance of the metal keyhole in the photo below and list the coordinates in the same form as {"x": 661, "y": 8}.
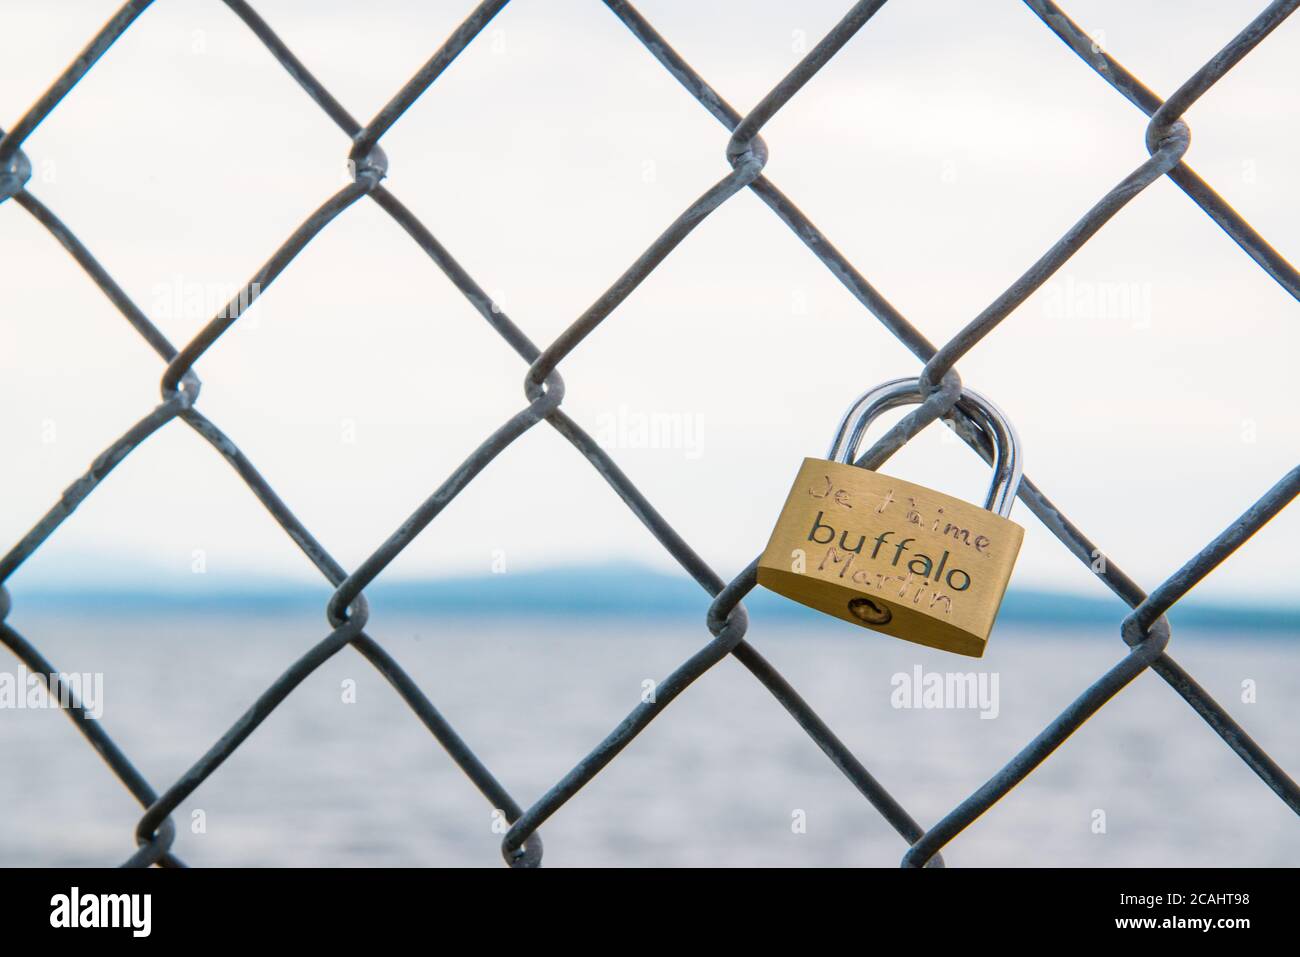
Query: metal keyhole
{"x": 864, "y": 609}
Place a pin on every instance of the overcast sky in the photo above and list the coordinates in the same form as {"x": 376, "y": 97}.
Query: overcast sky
{"x": 943, "y": 150}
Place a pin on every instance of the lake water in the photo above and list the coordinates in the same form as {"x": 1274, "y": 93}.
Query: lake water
{"x": 720, "y": 778}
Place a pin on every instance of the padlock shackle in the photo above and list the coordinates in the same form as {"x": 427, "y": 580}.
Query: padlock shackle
{"x": 1007, "y": 462}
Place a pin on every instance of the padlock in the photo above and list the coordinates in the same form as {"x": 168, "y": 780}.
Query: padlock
{"x": 891, "y": 555}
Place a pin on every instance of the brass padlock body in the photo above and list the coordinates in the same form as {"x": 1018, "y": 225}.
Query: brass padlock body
{"x": 892, "y": 556}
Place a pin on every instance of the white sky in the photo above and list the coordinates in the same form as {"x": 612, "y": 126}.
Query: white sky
{"x": 943, "y": 151}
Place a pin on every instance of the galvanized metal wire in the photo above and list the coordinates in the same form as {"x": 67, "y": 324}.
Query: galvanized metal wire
{"x": 1145, "y": 631}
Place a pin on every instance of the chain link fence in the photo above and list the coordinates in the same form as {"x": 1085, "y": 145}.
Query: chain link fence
{"x": 1145, "y": 630}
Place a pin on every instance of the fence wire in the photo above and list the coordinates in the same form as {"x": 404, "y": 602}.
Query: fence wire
{"x": 1145, "y": 630}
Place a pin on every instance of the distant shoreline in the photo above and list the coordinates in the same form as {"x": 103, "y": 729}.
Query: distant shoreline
{"x": 584, "y": 591}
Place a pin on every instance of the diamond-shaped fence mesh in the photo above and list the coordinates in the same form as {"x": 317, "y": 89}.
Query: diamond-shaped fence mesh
{"x": 1145, "y": 630}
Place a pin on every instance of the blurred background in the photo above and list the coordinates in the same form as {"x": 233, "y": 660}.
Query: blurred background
{"x": 942, "y": 151}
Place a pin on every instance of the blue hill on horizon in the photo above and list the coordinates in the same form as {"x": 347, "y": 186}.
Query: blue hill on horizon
{"x": 618, "y": 588}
